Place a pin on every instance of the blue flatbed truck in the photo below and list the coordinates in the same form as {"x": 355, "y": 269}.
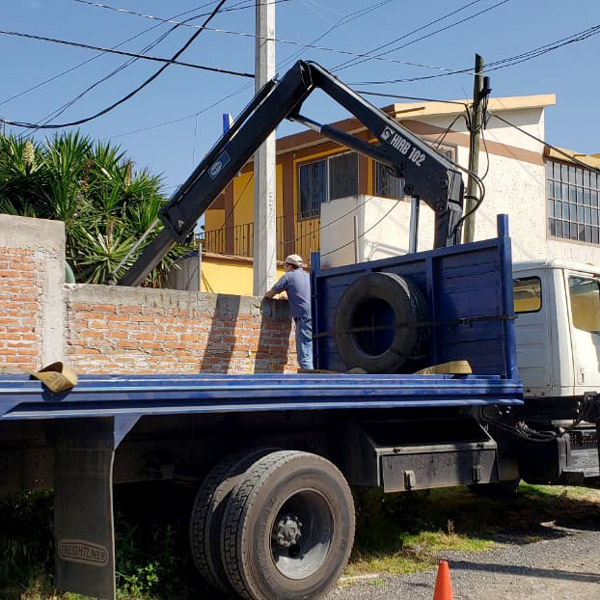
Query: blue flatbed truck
{"x": 273, "y": 456}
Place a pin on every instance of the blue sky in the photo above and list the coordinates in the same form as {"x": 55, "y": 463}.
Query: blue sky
{"x": 170, "y": 124}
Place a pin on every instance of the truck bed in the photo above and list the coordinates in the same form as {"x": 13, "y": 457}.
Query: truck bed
{"x": 23, "y": 398}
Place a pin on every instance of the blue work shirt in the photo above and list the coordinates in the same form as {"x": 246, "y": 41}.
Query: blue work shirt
{"x": 297, "y": 285}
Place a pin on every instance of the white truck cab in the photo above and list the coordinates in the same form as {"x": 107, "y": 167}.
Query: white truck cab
{"x": 557, "y": 309}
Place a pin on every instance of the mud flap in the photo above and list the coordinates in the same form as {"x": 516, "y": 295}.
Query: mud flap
{"x": 83, "y": 504}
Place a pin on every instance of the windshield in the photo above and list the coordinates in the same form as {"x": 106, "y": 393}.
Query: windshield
{"x": 584, "y": 294}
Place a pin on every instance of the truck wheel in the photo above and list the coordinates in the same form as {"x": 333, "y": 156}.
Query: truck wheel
{"x": 288, "y": 528}
{"x": 376, "y": 323}
{"x": 207, "y": 514}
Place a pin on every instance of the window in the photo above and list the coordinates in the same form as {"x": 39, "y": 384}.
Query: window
{"x": 527, "y": 294}
{"x": 584, "y": 294}
{"x": 573, "y": 194}
{"x": 387, "y": 185}
{"x": 313, "y": 178}
{"x": 328, "y": 179}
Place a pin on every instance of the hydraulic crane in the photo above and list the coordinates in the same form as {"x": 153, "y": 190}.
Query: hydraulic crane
{"x": 428, "y": 175}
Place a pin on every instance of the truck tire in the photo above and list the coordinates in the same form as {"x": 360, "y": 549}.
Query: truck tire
{"x": 288, "y": 528}
{"x": 207, "y": 514}
{"x": 394, "y": 306}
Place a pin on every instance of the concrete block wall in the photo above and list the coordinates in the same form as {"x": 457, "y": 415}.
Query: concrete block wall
{"x": 107, "y": 329}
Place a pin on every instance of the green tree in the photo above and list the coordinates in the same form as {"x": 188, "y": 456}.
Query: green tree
{"x": 92, "y": 187}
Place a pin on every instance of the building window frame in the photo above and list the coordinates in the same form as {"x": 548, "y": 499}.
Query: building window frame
{"x": 572, "y": 202}
{"x": 311, "y": 207}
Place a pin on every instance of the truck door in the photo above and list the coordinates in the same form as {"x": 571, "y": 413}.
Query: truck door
{"x": 533, "y": 334}
{"x": 584, "y": 300}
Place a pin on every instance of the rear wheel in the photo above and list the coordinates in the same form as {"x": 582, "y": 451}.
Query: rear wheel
{"x": 288, "y": 528}
{"x": 207, "y": 514}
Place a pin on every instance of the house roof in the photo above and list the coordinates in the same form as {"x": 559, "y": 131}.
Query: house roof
{"x": 591, "y": 160}
{"x": 414, "y": 110}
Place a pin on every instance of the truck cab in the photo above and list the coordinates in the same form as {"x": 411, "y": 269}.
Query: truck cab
{"x": 557, "y": 309}
{"x": 557, "y": 324}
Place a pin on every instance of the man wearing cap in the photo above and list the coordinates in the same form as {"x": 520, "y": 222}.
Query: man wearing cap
{"x": 296, "y": 282}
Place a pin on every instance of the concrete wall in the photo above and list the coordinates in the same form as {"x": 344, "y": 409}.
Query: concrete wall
{"x": 515, "y": 184}
{"x": 108, "y": 329}
{"x": 32, "y": 268}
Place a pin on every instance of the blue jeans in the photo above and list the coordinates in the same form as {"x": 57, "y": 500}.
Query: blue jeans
{"x": 304, "y": 348}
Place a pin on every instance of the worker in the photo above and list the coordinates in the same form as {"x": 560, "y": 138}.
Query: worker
{"x": 296, "y": 282}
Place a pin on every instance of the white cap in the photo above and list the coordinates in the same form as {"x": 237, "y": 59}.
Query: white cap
{"x": 294, "y": 259}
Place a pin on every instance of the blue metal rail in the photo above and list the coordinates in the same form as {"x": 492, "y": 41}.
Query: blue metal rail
{"x": 22, "y": 398}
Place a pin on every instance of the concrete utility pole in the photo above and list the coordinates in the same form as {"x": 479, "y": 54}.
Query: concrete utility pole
{"x": 265, "y": 237}
{"x": 476, "y": 123}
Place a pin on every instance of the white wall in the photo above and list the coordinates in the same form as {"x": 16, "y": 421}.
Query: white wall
{"x": 512, "y": 186}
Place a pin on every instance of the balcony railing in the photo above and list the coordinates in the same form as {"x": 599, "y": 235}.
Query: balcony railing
{"x": 239, "y": 240}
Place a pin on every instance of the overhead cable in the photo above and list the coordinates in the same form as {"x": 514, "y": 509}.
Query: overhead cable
{"x": 130, "y": 94}
{"x": 502, "y": 63}
{"x": 274, "y": 39}
{"x": 347, "y": 19}
{"x": 167, "y": 61}
{"x": 556, "y": 149}
{"x": 351, "y": 63}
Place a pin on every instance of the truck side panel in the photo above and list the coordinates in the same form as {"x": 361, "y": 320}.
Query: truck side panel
{"x": 470, "y": 305}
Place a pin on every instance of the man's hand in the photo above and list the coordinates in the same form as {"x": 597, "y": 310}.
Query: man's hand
{"x": 270, "y": 294}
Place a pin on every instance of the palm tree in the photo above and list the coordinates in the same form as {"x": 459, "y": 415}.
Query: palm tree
{"x": 93, "y": 188}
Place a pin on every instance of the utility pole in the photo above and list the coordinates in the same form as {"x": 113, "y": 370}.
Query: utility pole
{"x": 476, "y": 123}
{"x": 265, "y": 238}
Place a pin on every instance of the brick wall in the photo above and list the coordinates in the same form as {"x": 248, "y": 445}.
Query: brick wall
{"x": 139, "y": 330}
{"x": 108, "y": 329}
{"x": 20, "y": 300}
{"x": 32, "y": 268}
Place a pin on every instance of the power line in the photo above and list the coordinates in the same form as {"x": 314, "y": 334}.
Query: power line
{"x": 127, "y": 64}
{"x": 537, "y": 139}
{"x": 502, "y": 63}
{"x": 82, "y": 64}
{"x": 347, "y": 19}
{"x": 277, "y": 40}
{"x": 168, "y": 61}
{"x": 130, "y": 94}
{"x": 351, "y": 63}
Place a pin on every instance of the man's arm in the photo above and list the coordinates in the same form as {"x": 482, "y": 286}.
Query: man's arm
{"x": 279, "y": 287}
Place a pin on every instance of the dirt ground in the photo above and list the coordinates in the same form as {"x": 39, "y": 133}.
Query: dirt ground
{"x": 563, "y": 566}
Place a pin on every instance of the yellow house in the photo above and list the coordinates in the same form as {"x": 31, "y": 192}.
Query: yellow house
{"x": 312, "y": 170}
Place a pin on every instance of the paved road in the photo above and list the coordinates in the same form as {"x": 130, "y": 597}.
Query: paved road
{"x": 565, "y": 566}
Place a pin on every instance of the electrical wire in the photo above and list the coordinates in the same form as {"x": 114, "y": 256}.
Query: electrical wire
{"x": 274, "y": 39}
{"x": 559, "y": 150}
{"x": 56, "y": 113}
{"x": 167, "y": 61}
{"x": 349, "y": 64}
{"x": 502, "y": 63}
{"x": 130, "y": 94}
{"x": 347, "y": 19}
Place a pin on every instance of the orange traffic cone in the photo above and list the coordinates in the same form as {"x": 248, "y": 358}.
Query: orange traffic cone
{"x": 443, "y": 585}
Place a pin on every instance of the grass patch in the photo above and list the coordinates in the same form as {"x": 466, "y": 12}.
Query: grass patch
{"x": 397, "y": 533}
{"x": 403, "y": 533}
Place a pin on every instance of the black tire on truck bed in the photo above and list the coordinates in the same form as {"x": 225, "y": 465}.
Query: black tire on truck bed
{"x": 207, "y": 514}
{"x": 288, "y": 528}
{"x": 378, "y": 323}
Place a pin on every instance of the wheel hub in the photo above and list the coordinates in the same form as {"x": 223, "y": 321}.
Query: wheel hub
{"x": 288, "y": 531}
